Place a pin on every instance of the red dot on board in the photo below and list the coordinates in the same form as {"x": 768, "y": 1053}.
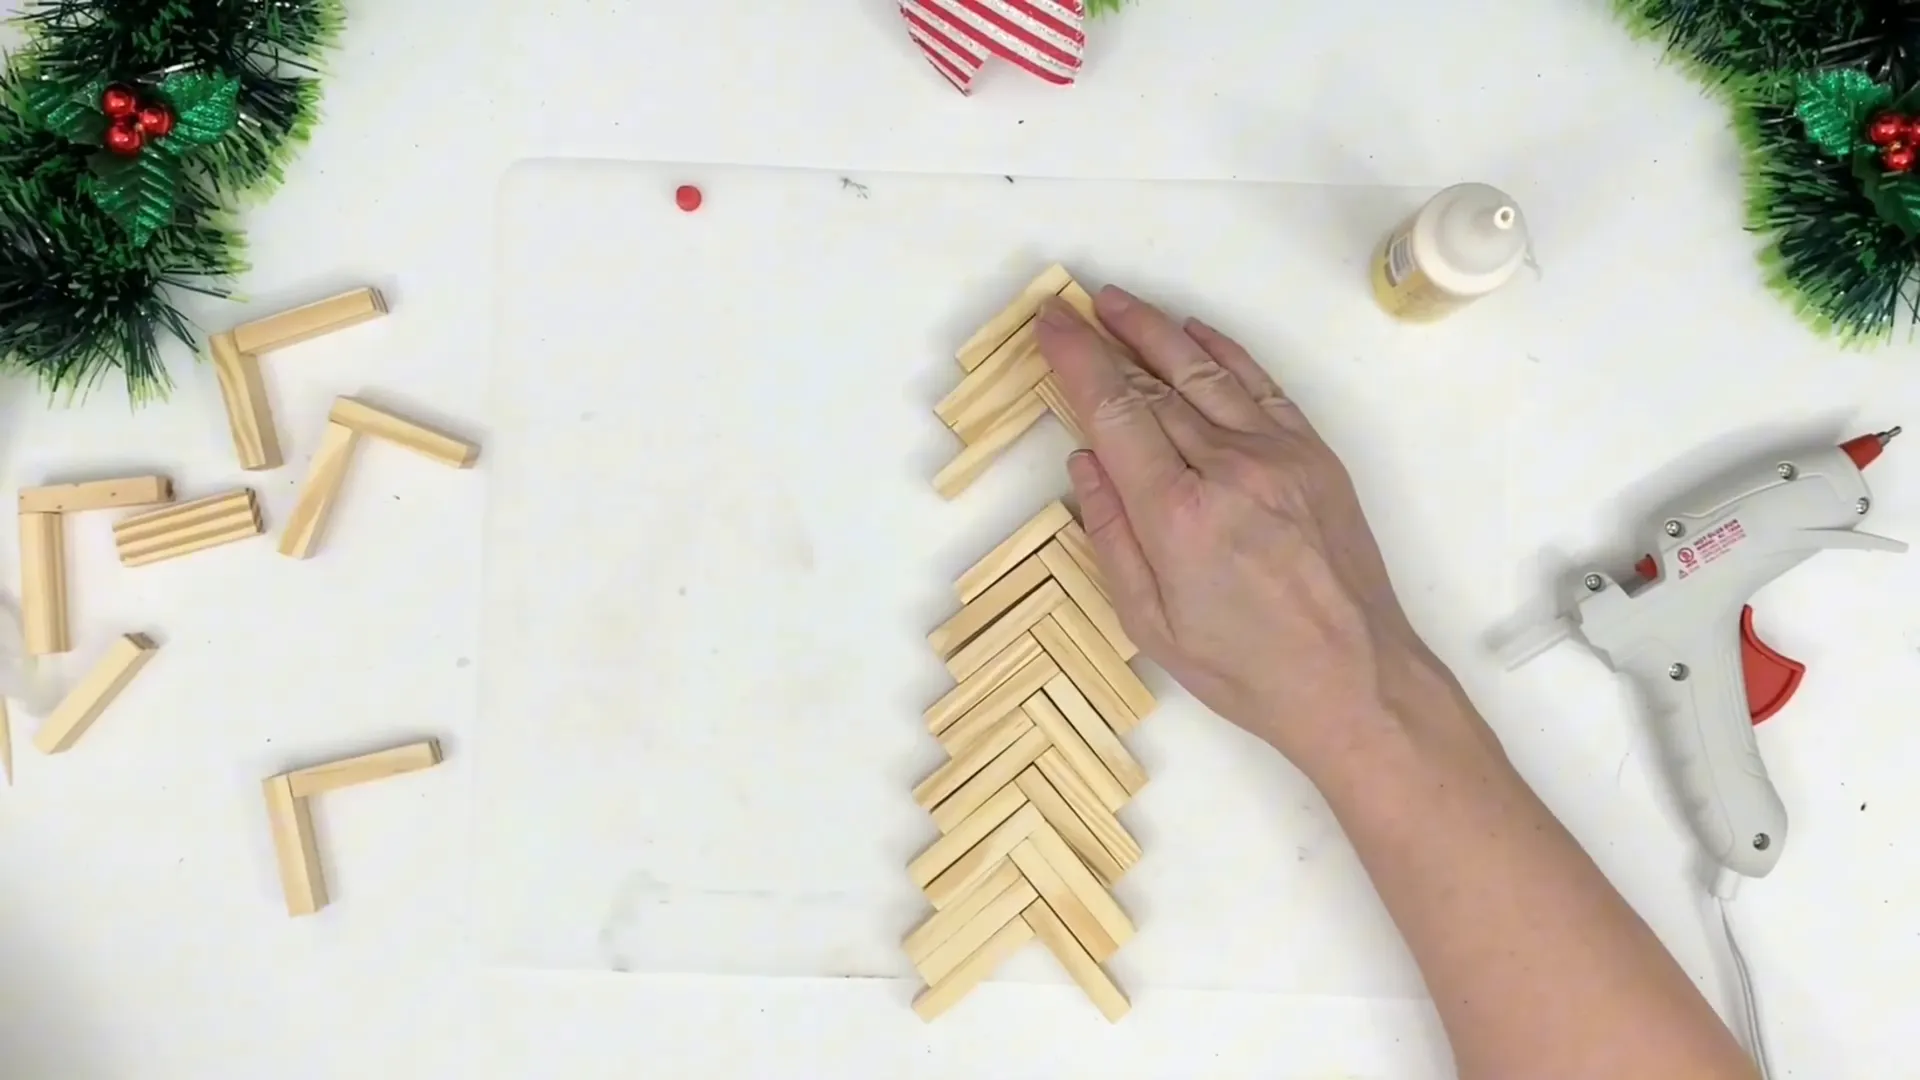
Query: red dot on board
{"x": 688, "y": 198}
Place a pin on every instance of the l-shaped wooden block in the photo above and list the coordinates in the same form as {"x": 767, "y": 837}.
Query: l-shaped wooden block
{"x": 291, "y": 820}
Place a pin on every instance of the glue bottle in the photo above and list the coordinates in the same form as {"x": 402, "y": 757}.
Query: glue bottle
{"x": 1465, "y": 243}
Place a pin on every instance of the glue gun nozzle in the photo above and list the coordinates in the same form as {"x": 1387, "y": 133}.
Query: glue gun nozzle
{"x": 1865, "y": 449}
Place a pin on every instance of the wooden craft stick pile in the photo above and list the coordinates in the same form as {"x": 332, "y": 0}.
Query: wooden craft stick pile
{"x": 1027, "y": 804}
{"x": 172, "y": 530}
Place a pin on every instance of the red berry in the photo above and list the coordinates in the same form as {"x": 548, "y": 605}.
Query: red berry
{"x": 1911, "y": 133}
{"x": 1898, "y": 158}
{"x": 124, "y": 138}
{"x": 688, "y": 198}
{"x": 156, "y": 120}
{"x": 119, "y": 102}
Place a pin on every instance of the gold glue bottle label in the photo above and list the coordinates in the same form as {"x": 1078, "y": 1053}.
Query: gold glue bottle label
{"x": 1405, "y": 291}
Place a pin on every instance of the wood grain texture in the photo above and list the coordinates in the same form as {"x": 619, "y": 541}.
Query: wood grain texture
{"x": 398, "y": 430}
{"x": 173, "y": 531}
{"x": 1105, "y": 909}
{"x": 90, "y": 697}
{"x": 974, "y": 689}
{"x": 1025, "y": 542}
{"x": 1074, "y": 538}
{"x": 1071, "y": 827}
{"x": 1007, "y": 906}
{"x": 1001, "y": 703}
{"x": 945, "y": 994}
{"x": 1065, "y": 902}
{"x": 998, "y": 775}
{"x": 1057, "y": 404}
{"x": 979, "y": 613}
{"x": 939, "y": 927}
{"x": 960, "y": 473}
{"x": 1093, "y": 685}
{"x": 307, "y": 525}
{"x": 1018, "y": 620}
{"x": 96, "y": 495}
{"x": 997, "y": 330}
{"x": 309, "y": 321}
{"x": 1099, "y": 736}
{"x": 1085, "y": 971}
{"x": 951, "y": 885}
{"x": 1011, "y": 373}
{"x": 1101, "y": 821}
{"x": 949, "y": 778}
{"x": 43, "y": 584}
{"x": 947, "y": 850}
{"x": 365, "y": 768}
{"x": 294, "y": 849}
{"x": 1072, "y": 748}
{"x": 1093, "y": 645}
{"x": 256, "y": 442}
{"x": 1090, "y": 602}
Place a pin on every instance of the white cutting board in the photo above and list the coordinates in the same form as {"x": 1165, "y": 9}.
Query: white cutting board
{"x": 713, "y": 555}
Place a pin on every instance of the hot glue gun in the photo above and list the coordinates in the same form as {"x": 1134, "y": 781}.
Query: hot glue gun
{"x": 1683, "y": 632}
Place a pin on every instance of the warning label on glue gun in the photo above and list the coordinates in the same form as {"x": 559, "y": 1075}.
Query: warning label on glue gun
{"x": 1709, "y": 546}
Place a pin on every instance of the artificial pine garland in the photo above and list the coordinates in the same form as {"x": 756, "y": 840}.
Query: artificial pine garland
{"x": 129, "y": 132}
{"x": 1826, "y": 99}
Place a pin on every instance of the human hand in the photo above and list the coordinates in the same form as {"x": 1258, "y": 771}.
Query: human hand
{"x": 1229, "y": 533}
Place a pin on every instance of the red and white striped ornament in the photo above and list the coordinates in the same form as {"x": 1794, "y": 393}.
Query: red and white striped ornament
{"x": 1046, "y": 37}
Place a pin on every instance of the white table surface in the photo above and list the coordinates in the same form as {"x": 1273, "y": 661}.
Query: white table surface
{"x": 141, "y": 932}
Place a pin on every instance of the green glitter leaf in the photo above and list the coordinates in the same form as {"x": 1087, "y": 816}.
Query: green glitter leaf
{"x": 1835, "y": 105}
{"x": 205, "y": 107}
{"x": 139, "y": 192}
{"x": 72, "y": 114}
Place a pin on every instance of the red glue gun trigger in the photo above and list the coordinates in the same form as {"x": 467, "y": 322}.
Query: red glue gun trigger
{"x": 1771, "y": 678}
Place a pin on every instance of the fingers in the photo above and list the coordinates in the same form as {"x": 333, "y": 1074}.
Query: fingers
{"x": 1136, "y": 592}
{"x": 1259, "y": 385}
{"x": 1116, "y": 410}
{"x": 1179, "y": 360}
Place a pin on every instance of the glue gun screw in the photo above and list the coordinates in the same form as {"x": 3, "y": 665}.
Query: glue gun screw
{"x": 1595, "y": 583}
{"x": 1674, "y": 528}
{"x": 1678, "y": 672}
{"x": 1761, "y": 841}
{"x": 1861, "y": 506}
{"x": 1786, "y": 470}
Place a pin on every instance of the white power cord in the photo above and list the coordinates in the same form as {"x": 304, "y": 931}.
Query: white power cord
{"x": 1725, "y": 887}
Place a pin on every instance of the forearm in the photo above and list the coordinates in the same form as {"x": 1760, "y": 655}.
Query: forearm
{"x": 1537, "y": 965}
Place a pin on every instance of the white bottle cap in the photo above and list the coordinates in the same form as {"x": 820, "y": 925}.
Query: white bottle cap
{"x": 1470, "y": 239}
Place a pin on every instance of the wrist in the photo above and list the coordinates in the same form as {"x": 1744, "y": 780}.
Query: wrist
{"x": 1416, "y": 713}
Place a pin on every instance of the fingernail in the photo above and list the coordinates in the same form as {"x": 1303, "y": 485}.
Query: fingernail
{"x": 1055, "y": 313}
{"x": 1118, "y": 298}
{"x": 1081, "y": 468}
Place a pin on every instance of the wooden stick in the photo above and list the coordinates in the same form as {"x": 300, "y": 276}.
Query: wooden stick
{"x": 1014, "y": 550}
{"x": 1018, "y": 620}
{"x": 324, "y": 477}
{"x": 180, "y": 530}
{"x": 952, "y": 884}
{"x": 995, "y": 333}
{"x": 941, "y": 925}
{"x": 305, "y": 323}
{"x": 364, "y": 769}
{"x": 400, "y": 431}
{"x": 944, "y": 852}
{"x": 982, "y": 610}
{"x": 1013, "y": 371}
{"x": 1106, "y": 910}
{"x": 1063, "y": 899}
{"x": 96, "y": 495}
{"x": 947, "y": 779}
{"x": 249, "y": 413}
{"x": 94, "y": 693}
{"x": 947, "y": 993}
{"x": 43, "y": 584}
{"x": 960, "y": 473}
{"x": 1087, "y": 720}
{"x": 941, "y": 960}
{"x": 974, "y": 689}
{"x": 1056, "y": 399}
{"x": 1079, "y": 963}
{"x": 1090, "y": 601}
{"x": 294, "y": 849}
{"x": 960, "y": 736}
{"x": 988, "y": 782}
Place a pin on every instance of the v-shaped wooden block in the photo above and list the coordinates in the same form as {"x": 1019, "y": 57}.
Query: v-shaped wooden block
{"x": 1027, "y": 803}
